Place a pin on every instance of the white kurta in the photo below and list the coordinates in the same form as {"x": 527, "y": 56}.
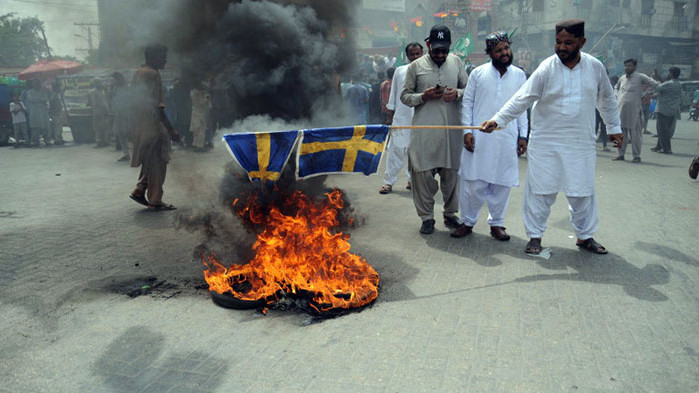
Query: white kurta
{"x": 561, "y": 153}
{"x": 403, "y": 114}
{"x": 494, "y": 159}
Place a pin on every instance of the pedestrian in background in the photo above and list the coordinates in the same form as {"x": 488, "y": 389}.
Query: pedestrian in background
{"x": 201, "y": 106}
{"x": 629, "y": 91}
{"x": 39, "y": 118}
{"x": 668, "y": 110}
{"x": 97, "y": 99}
{"x": 384, "y": 93}
{"x": 121, "y": 101}
{"x": 19, "y": 120}
{"x": 56, "y": 113}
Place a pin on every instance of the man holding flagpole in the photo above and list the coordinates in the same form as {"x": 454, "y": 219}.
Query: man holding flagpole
{"x": 434, "y": 85}
{"x": 567, "y": 87}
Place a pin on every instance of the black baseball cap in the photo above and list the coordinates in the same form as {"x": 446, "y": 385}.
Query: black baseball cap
{"x": 440, "y": 37}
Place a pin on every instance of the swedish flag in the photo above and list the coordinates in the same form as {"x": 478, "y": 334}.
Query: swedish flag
{"x": 262, "y": 155}
{"x": 341, "y": 150}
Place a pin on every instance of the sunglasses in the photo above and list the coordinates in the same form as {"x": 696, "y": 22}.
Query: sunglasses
{"x": 440, "y": 51}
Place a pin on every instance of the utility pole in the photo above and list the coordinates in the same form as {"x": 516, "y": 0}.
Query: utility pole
{"x": 88, "y": 27}
{"x": 43, "y": 34}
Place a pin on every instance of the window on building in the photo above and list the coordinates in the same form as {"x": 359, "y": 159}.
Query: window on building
{"x": 647, "y": 7}
{"x": 538, "y": 5}
{"x": 679, "y": 8}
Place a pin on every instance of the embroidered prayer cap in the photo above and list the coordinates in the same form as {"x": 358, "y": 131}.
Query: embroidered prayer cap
{"x": 493, "y": 39}
{"x": 440, "y": 37}
{"x": 575, "y": 27}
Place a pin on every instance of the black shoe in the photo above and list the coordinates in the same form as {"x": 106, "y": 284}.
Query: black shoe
{"x": 451, "y": 222}
{"x": 666, "y": 152}
{"x": 636, "y": 159}
{"x": 427, "y": 227}
{"x": 655, "y": 149}
{"x": 620, "y": 158}
{"x": 461, "y": 231}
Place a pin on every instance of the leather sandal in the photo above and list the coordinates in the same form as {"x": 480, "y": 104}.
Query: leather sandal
{"x": 592, "y": 246}
{"x": 139, "y": 199}
{"x": 534, "y": 246}
{"x": 385, "y": 189}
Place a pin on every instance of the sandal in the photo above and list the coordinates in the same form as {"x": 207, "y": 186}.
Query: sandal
{"x": 534, "y": 246}
{"x": 385, "y": 189}
{"x": 161, "y": 206}
{"x": 139, "y": 199}
{"x": 409, "y": 186}
{"x": 592, "y": 246}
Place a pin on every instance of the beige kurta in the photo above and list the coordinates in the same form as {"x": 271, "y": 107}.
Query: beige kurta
{"x": 628, "y": 91}
{"x": 431, "y": 149}
{"x": 149, "y": 135}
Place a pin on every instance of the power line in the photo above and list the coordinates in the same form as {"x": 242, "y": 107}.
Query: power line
{"x": 74, "y": 6}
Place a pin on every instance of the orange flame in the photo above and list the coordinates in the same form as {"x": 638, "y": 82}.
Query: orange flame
{"x": 298, "y": 254}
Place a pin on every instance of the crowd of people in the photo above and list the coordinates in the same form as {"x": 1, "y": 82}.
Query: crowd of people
{"x": 575, "y": 102}
{"x": 38, "y": 114}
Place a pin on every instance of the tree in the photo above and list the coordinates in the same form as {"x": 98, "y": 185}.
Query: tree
{"x": 21, "y": 42}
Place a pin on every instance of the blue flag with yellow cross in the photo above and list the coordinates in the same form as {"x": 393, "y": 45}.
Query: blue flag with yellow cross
{"x": 262, "y": 155}
{"x": 325, "y": 151}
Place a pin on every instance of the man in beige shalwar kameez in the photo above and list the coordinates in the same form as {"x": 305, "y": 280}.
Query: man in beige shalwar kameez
{"x": 434, "y": 85}
{"x": 629, "y": 92}
{"x": 151, "y": 131}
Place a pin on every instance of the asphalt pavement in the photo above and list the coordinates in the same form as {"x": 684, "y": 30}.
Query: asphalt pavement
{"x": 99, "y": 295}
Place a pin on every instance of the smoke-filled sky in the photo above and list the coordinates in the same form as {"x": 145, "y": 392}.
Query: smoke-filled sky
{"x": 59, "y": 16}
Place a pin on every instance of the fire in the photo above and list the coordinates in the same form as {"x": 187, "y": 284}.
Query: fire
{"x": 300, "y": 254}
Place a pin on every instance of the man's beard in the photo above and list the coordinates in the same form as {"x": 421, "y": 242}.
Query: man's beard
{"x": 572, "y": 55}
{"x": 499, "y": 64}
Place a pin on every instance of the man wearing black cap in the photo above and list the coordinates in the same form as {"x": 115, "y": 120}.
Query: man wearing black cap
{"x": 567, "y": 87}
{"x": 434, "y": 85}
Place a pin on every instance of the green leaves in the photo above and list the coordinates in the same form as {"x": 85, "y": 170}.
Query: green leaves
{"x": 21, "y": 43}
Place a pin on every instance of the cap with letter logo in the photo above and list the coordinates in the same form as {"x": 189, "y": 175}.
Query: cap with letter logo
{"x": 440, "y": 37}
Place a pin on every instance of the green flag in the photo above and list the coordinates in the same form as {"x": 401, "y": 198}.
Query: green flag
{"x": 463, "y": 46}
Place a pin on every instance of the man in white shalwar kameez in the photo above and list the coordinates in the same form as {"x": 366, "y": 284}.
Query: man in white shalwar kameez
{"x": 566, "y": 88}
{"x": 402, "y": 115}
{"x": 489, "y": 161}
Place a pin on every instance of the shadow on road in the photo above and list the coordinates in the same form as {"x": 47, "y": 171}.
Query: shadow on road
{"x": 133, "y": 363}
{"x": 667, "y": 253}
{"x": 610, "y": 269}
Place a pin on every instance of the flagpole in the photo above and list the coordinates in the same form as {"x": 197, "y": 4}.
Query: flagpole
{"x": 437, "y": 128}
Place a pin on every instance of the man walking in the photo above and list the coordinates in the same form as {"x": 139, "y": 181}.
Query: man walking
{"x": 629, "y": 92}
{"x": 668, "y": 110}
{"x": 434, "y": 85}
{"x": 489, "y": 161}
{"x": 566, "y": 88}
{"x": 150, "y": 138}
{"x": 399, "y": 115}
